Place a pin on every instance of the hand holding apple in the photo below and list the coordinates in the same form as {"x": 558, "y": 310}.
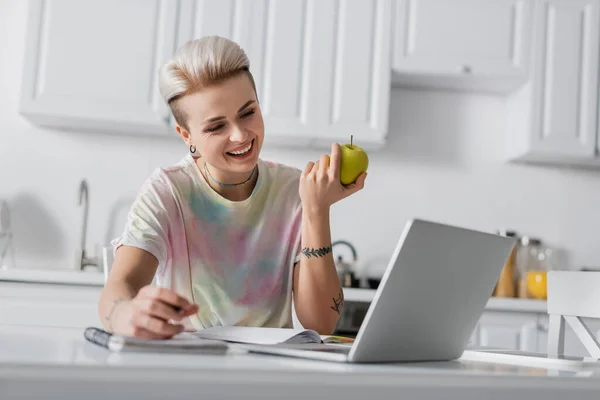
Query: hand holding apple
{"x": 354, "y": 161}
{"x": 321, "y": 182}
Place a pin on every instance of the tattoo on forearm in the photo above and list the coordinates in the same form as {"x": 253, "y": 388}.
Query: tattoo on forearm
{"x": 338, "y": 303}
{"x": 312, "y": 252}
{"x": 112, "y": 311}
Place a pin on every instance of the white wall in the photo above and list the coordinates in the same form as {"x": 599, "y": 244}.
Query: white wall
{"x": 444, "y": 162}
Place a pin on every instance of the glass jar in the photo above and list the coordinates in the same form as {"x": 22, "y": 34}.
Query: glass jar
{"x": 532, "y": 268}
{"x": 506, "y": 285}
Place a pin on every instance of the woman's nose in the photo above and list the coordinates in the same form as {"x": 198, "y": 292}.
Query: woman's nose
{"x": 238, "y": 134}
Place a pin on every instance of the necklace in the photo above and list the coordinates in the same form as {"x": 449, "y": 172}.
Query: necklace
{"x": 207, "y": 172}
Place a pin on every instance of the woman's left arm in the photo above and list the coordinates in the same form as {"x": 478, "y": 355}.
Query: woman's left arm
{"x": 318, "y": 295}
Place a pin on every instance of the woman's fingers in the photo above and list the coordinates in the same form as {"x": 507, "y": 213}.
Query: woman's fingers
{"x": 334, "y": 164}
{"x": 146, "y": 334}
{"x": 323, "y": 171}
{"x": 156, "y": 326}
{"x": 308, "y": 168}
{"x": 357, "y": 185}
{"x": 157, "y": 308}
{"x": 167, "y": 296}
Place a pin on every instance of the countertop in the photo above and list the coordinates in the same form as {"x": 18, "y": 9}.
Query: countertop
{"x": 57, "y": 276}
{"x": 93, "y": 278}
{"x": 494, "y": 303}
{"x": 59, "y": 363}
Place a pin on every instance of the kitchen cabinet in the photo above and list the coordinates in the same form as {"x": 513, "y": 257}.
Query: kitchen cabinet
{"x": 525, "y": 331}
{"x": 49, "y": 305}
{"x": 322, "y": 69}
{"x": 87, "y": 68}
{"x": 466, "y": 44}
{"x": 509, "y": 330}
{"x": 554, "y": 118}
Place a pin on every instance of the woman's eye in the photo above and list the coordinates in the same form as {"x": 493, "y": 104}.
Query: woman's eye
{"x": 215, "y": 128}
{"x": 247, "y": 114}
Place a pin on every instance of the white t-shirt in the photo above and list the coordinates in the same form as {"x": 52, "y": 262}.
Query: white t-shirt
{"x": 234, "y": 259}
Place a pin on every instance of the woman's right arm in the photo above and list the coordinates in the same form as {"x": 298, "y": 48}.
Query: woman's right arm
{"x": 129, "y": 305}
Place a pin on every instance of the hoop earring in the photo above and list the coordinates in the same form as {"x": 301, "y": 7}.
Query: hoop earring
{"x": 192, "y": 148}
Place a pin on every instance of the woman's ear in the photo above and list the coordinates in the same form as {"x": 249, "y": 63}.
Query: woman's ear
{"x": 185, "y": 135}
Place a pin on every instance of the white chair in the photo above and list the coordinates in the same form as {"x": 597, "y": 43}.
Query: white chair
{"x": 572, "y": 295}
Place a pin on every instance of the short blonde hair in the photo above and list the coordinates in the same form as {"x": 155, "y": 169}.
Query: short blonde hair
{"x": 198, "y": 64}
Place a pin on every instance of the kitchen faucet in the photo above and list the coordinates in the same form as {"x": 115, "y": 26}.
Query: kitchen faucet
{"x": 82, "y": 260}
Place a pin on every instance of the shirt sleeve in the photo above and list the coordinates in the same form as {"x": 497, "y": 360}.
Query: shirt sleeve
{"x": 147, "y": 225}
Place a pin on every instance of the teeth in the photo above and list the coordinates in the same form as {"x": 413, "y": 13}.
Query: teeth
{"x": 243, "y": 151}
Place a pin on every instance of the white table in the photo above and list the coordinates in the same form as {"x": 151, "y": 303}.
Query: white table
{"x": 59, "y": 363}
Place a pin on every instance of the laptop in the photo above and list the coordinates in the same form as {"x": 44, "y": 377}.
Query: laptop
{"x": 430, "y": 298}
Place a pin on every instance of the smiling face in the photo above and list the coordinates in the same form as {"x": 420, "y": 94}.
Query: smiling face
{"x": 225, "y": 123}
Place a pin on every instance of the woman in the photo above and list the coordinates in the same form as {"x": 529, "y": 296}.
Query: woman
{"x": 223, "y": 237}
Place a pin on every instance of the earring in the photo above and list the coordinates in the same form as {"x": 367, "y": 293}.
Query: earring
{"x": 192, "y": 148}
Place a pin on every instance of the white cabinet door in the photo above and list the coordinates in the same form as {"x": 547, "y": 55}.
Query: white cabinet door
{"x": 271, "y": 33}
{"x": 93, "y": 65}
{"x": 325, "y": 71}
{"x": 516, "y": 331}
{"x": 350, "y": 71}
{"x": 566, "y": 78}
{"x": 240, "y": 21}
{"x": 322, "y": 69}
{"x": 49, "y": 305}
{"x": 486, "y": 39}
{"x": 555, "y": 119}
{"x": 283, "y": 72}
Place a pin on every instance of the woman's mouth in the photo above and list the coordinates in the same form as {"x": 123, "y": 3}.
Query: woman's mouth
{"x": 242, "y": 151}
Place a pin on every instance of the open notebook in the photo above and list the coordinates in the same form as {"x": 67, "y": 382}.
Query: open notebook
{"x": 259, "y": 335}
{"x": 210, "y": 340}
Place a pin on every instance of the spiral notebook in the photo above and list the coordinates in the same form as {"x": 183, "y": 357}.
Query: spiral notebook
{"x": 210, "y": 340}
{"x": 183, "y": 342}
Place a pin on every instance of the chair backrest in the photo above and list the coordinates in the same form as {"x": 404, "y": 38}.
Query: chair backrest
{"x": 575, "y": 293}
{"x": 572, "y": 295}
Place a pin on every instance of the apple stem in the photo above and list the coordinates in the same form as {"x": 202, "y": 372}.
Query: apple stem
{"x": 351, "y": 137}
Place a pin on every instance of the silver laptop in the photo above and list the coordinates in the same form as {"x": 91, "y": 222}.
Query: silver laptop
{"x": 430, "y": 298}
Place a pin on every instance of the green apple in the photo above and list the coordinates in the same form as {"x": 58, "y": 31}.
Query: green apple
{"x": 354, "y": 161}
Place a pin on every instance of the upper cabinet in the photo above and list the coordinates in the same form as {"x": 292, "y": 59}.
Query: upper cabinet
{"x": 87, "y": 68}
{"x": 322, "y": 69}
{"x": 349, "y": 91}
{"x": 466, "y": 44}
{"x": 554, "y": 118}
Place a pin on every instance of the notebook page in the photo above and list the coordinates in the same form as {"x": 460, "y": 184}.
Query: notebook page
{"x": 259, "y": 335}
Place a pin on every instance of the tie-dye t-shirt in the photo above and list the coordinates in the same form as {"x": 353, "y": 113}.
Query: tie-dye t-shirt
{"x": 233, "y": 258}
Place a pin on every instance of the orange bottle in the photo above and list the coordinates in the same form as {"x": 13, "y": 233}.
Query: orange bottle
{"x": 506, "y": 286}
